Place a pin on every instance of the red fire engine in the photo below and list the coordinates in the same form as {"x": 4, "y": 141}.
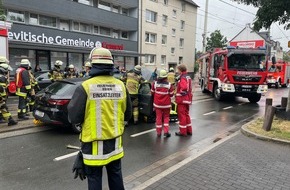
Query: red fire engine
{"x": 278, "y": 74}
{"x": 233, "y": 72}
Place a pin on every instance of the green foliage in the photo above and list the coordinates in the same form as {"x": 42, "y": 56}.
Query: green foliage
{"x": 270, "y": 11}
{"x": 2, "y": 13}
{"x": 286, "y": 57}
{"x": 216, "y": 40}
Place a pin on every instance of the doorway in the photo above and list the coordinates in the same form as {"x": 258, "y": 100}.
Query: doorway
{"x": 43, "y": 60}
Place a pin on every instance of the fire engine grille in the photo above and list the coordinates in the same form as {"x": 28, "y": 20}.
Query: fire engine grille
{"x": 247, "y": 78}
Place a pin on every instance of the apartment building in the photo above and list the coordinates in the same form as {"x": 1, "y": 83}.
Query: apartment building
{"x": 167, "y": 33}
{"x": 46, "y": 31}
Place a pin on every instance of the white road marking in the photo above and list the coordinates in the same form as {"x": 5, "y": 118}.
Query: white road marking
{"x": 142, "y": 133}
{"x": 66, "y": 156}
{"x": 226, "y": 108}
{"x": 242, "y": 103}
{"x": 209, "y": 113}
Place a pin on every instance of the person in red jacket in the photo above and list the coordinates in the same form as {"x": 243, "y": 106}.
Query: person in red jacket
{"x": 162, "y": 91}
{"x": 183, "y": 99}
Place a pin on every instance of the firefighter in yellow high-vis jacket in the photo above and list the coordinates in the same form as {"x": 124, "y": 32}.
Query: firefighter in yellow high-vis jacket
{"x": 103, "y": 107}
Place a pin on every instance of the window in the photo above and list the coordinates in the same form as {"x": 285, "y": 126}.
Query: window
{"x": 115, "y": 34}
{"x": 182, "y": 6}
{"x": 172, "y": 50}
{"x": 86, "y": 2}
{"x": 151, "y": 16}
{"x": 180, "y": 60}
{"x": 164, "y": 40}
{"x": 104, "y": 5}
{"x": 174, "y": 12}
{"x": 58, "y": 56}
{"x": 96, "y": 29}
{"x": 76, "y": 26}
{"x": 105, "y": 31}
{"x": 150, "y": 59}
{"x": 173, "y": 31}
{"x": 64, "y": 24}
{"x": 47, "y": 21}
{"x": 163, "y": 59}
{"x": 165, "y": 2}
{"x": 182, "y": 25}
{"x": 115, "y": 9}
{"x": 33, "y": 19}
{"x": 17, "y": 16}
{"x": 76, "y": 59}
{"x": 164, "y": 20}
{"x": 181, "y": 42}
{"x": 125, "y": 11}
{"x": 150, "y": 37}
{"x": 124, "y": 35}
{"x": 85, "y": 27}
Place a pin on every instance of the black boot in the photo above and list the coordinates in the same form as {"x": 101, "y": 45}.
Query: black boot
{"x": 22, "y": 116}
{"x": 167, "y": 135}
{"x": 11, "y": 121}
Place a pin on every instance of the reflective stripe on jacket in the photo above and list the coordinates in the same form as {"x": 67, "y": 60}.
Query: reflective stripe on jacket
{"x": 184, "y": 90}
{"x": 105, "y": 108}
{"x": 162, "y": 91}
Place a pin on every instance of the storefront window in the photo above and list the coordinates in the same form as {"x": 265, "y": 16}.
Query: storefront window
{"x": 17, "y": 16}
{"x": 119, "y": 61}
{"x": 130, "y": 63}
{"x": 33, "y": 19}
{"x": 58, "y": 56}
{"x": 77, "y": 60}
{"x": 15, "y": 56}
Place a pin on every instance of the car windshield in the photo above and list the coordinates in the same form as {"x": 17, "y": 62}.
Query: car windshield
{"x": 245, "y": 62}
{"x": 61, "y": 88}
{"x": 41, "y": 75}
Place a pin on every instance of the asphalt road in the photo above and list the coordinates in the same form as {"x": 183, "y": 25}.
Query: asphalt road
{"x": 27, "y": 162}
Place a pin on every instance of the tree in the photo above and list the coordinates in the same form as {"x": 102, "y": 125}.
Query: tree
{"x": 270, "y": 11}
{"x": 2, "y": 13}
{"x": 216, "y": 40}
{"x": 286, "y": 56}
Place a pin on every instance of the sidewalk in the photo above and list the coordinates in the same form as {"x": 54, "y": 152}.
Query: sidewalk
{"x": 238, "y": 163}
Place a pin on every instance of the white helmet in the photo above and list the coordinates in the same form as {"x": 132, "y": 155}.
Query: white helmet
{"x": 25, "y": 63}
{"x": 163, "y": 74}
{"x": 71, "y": 66}
{"x": 101, "y": 56}
{"x": 88, "y": 64}
{"x": 5, "y": 66}
{"x": 58, "y": 63}
{"x": 3, "y": 60}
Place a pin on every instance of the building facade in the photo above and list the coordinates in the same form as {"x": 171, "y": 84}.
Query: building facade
{"x": 167, "y": 33}
{"x": 67, "y": 30}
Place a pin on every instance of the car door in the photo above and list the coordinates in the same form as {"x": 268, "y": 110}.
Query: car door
{"x": 145, "y": 99}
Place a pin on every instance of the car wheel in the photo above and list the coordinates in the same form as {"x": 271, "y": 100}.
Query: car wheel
{"x": 76, "y": 128}
{"x": 254, "y": 98}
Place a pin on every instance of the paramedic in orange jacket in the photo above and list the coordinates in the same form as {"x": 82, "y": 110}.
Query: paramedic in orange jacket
{"x": 183, "y": 99}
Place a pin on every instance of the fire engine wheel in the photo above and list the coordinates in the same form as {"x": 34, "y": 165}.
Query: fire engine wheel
{"x": 217, "y": 93}
{"x": 254, "y": 98}
{"x": 277, "y": 84}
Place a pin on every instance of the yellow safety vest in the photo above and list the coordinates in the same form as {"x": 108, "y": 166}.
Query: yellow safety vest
{"x": 171, "y": 78}
{"x": 105, "y": 108}
{"x": 104, "y": 119}
{"x": 132, "y": 83}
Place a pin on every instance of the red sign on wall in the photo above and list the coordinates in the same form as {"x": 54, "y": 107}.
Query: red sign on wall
{"x": 248, "y": 44}
{"x": 3, "y": 32}
{"x": 113, "y": 46}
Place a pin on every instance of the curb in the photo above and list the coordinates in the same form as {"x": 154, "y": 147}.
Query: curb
{"x": 249, "y": 133}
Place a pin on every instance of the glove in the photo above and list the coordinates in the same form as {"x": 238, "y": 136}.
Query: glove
{"x": 78, "y": 167}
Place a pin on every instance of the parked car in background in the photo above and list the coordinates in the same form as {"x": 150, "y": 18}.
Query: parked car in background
{"x": 51, "y": 103}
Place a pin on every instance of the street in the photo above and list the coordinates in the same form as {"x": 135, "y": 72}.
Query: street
{"x": 41, "y": 160}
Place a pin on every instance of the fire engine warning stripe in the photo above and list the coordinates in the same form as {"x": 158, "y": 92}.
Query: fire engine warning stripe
{"x": 209, "y": 113}
{"x": 142, "y": 133}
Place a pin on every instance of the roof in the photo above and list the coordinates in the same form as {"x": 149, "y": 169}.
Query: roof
{"x": 191, "y": 2}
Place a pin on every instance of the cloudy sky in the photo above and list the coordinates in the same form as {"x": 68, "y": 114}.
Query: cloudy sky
{"x": 230, "y": 18}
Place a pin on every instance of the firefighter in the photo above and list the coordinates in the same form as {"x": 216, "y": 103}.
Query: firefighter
{"x": 23, "y": 87}
{"x": 56, "y": 73}
{"x": 171, "y": 76}
{"x": 88, "y": 67}
{"x": 183, "y": 99}
{"x": 133, "y": 79}
{"x": 34, "y": 86}
{"x": 4, "y": 68}
{"x": 71, "y": 73}
{"x": 103, "y": 105}
{"x": 162, "y": 91}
